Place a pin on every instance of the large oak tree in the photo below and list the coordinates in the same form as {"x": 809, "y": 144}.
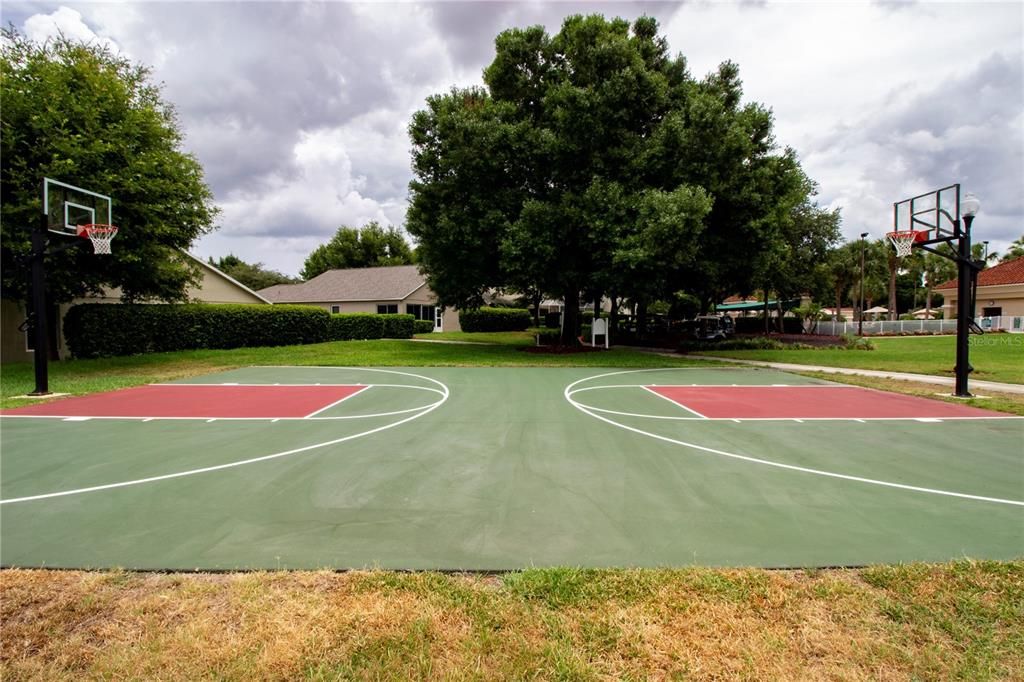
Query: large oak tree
{"x": 81, "y": 114}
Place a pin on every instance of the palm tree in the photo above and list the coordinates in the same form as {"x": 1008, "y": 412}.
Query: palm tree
{"x": 1015, "y": 251}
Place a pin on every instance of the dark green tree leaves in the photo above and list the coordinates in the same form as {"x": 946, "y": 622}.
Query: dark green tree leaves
{"x": 80, "y": 114}
{"x": 367, "y": 247}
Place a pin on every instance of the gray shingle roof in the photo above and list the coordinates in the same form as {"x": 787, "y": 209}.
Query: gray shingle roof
{"x": 393, "y": 283}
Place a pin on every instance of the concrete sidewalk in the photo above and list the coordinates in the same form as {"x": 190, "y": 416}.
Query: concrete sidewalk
{"x": 973, "y": 384}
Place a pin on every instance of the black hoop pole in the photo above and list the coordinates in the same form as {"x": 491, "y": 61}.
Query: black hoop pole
{"x": 38, "y": 314}
{"x": 965, "y": 308}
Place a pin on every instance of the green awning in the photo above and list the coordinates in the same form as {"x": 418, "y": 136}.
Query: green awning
{"x": 756, "y": 305}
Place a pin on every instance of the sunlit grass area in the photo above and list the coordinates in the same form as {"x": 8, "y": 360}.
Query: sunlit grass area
{"x": 963, "y": 620}
{"x": 995, "y": 357}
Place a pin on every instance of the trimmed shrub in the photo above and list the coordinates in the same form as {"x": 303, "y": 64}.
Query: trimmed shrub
{"x": 422, "y": 326}
{"x": 755, "y": 325}
{"x": 109, "y": 329}
{"x": 495, "y": 320}
{"x": 349, "y": 326}
{"x": 398, "y": 326}
{"x": 549, "y": 338}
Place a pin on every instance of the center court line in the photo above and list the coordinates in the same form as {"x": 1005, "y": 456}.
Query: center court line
{"x": 567, "y": 393}
{"x": 192, "y": 472}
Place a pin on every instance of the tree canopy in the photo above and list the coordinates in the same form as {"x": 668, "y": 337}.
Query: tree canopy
{"x": 365, "y": 247}
{"x": 80, "y": 114}
{"x": 593, "y": 163}
{"x": 252, "y": 275}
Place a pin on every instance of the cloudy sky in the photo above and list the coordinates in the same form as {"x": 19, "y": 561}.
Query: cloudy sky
{"x": 298, "y": 111}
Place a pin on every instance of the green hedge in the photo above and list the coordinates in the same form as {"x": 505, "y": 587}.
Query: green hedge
{"x": 349, "y": 326}
{"x": 495, "y": 320}
{"x": 398, "y": 326}
{"x": 422, "y": 326}
{"x": 109, "y": 329}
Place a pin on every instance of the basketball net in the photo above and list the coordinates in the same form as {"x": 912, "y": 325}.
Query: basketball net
{"x": 99, "y": 235}
{"x": 903, "y": 241}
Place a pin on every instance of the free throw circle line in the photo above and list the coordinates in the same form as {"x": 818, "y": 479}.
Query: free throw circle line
{"x": 252, "y": 460}
{"x": 756, "y": 460}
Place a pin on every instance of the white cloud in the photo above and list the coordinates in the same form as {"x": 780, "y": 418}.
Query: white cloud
{"x": 299, "y": 112}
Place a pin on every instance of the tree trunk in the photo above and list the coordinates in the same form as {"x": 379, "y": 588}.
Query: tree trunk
{"x": 536, "y": 307}
{"x": 570, "y": 317}
{"x": 641, "y": 319}
{"x": 613, "y": 317}
{"x": 767, "y": 329}
{"x": 839, "y": 304}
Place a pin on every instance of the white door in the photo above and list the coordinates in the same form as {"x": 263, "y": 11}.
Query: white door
{"x": 438, "y": 326}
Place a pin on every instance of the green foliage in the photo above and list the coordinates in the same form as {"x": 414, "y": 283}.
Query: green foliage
{"x": 1015, "y": 251}
{"x": 252, "y": 275}
{"x": 104, "y": 330}
{"x": 400, "y": 326}
{"x": 78, "y": 113}
{"x": 854, "y": 342}
{"x": 549, "y": 337}
{"x": 366, "y": 247}
{"x": 495, "y": 320}
{"x": 593, "y": 163}
{"x": 348, "y": 326}
{"x": 422, "y": 326}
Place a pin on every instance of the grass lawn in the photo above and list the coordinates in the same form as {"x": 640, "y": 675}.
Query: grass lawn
{"x": 106, "y": 374}
{"x": 995, "y": 357}
{"x": 961, "y": 620}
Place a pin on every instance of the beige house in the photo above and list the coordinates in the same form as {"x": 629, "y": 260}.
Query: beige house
{"x": 1000, "y": 296}
{"x": 383, "y": 290}
{"x": 15, "y": 344}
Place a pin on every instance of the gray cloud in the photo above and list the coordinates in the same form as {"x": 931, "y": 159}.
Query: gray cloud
{"x": 298, "y": 111}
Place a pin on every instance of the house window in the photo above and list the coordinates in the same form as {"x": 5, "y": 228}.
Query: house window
{"x": 992, "y": 312}
{"x": 335, "y": 309}
{"x": 420, "y": 312}
{"x": 387, "y": 308}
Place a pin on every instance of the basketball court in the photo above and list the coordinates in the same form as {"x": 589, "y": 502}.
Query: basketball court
{"x": 502, "y": 468}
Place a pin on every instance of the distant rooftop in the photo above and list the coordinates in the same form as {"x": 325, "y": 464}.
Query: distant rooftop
{"x": 392, "y": 283}
{"x": 1011, "y": 272}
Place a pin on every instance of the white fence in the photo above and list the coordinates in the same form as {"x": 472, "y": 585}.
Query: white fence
{"x": 830, "y": 327}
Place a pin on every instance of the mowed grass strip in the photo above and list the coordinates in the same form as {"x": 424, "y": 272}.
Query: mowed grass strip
{"x": 963, "y": 620}
{"x": 995, "y": 357}
{"x": 1011, "y": 403}
{"x": 79, "y": 377}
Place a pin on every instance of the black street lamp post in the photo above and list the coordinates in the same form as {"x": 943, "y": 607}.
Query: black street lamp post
{"x": 969, "y": 207}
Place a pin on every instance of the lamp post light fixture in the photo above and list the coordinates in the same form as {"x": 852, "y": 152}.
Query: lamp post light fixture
{"x": 967, "y": 274}
{"x": 860, "y": 315}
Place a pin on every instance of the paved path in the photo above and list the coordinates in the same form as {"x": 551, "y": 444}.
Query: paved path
{"x": 973, "y": 384}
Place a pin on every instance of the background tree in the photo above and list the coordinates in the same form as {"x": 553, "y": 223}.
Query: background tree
{"x": 252, "y": 275}
{"x": 844, "y": 273}
{"x": 80, "y": 114}
{"x": 1015, "y": 251}
{"x": 366, "y": 247}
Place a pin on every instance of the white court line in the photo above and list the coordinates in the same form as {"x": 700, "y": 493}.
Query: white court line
{"x": 335, "y": 403}
{"x": 191, "y": 472}
{"x": 567, "y": 393}
{"x": 674, "y": 402}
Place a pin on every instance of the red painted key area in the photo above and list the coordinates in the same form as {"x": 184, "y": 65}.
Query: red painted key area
{"x": 810, "y": 402}
{"x": 214, "y": 401}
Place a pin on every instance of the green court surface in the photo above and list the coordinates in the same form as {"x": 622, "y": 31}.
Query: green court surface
{"x": 505, "y": 468}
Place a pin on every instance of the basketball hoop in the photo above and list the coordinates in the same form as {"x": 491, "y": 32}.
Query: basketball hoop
{"x": 100, "y": 236}
{"x": 903, "y": 240}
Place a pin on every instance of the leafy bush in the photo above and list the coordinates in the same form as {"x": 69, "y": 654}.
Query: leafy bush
{"x": 495, "y": 320}
{"x": 110, "y": 329}
{"x": 549, "y": 338}
{"x": 349, "y": 326}
{"x": 422, "y": 326}
{"x": 853, "y": 342}
{"x": 399, "y": 326}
